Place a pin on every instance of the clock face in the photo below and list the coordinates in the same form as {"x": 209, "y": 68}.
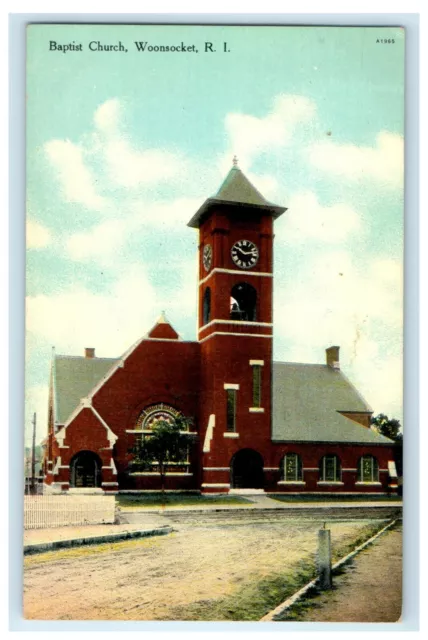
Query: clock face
{"x": 207, "y": 257}
{"x": 245, "y": 254}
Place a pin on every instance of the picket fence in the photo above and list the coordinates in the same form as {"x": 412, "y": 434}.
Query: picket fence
{"x": 64, "y": 510}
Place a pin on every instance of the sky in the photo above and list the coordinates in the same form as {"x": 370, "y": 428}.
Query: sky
{"x": 124, "y": 146}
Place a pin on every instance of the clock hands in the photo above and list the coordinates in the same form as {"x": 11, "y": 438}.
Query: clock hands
{"x": 251, "y": 252}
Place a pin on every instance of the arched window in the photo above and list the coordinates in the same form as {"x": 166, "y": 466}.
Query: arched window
{"x": 368, "y": 469}
{"x": 243, "y": 302}
{"x": 292, "y": 468}
{"x": 330, "y": 468}
{"x": 207, "y": 306}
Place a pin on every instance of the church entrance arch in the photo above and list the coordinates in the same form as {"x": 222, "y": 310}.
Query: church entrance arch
{"x": 247, "y": 470}
{"x": 85, "y": 470}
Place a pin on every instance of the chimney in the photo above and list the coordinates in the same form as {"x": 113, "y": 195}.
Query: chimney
{"x": 332, "y": 357}
{"x": 89, "y": 352}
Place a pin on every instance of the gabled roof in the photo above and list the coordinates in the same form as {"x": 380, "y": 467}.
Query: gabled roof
{"x": 74, "y": 378}
{"x": 163, "y": 329}
{"x": 306, "y": 401}
{"x": 237, "y": 191}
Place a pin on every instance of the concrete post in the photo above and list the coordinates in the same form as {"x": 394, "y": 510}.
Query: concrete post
{"x": 324, "y": 559}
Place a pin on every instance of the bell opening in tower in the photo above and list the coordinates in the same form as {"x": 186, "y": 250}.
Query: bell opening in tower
{"x": 243, "y": 302}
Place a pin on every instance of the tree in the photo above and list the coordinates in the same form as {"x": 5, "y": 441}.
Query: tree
{"x": 389, "y": 428}
{"x": 168, "y": 442}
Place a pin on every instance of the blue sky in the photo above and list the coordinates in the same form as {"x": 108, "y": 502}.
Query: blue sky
{"x": 122, "y": 148}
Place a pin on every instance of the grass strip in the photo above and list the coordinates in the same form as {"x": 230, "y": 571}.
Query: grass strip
{"x": 253, "y": 599}
{"x": 281, "y": 497}
{"x": 176, "y": 500}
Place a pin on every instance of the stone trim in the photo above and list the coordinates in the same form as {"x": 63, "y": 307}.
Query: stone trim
{"x": 257, "y": 363}
{"x": 231, "y": 385}
{"x": 209, "y": 434}
{"x": 259, "y": 274}
{"x": 230, "y": 333}
{"x": 370, "y": 484}
{"x": 236, "y": 322}
{"x": 292, "y": 482}
{"x": 215, "y": 468}
{"x": 330, "y": 482}
{"x": 230, "y": 434}
{"x": 256, "y": 410}
{"x": 156, "y": 473}
{"x": 216, "y": 485}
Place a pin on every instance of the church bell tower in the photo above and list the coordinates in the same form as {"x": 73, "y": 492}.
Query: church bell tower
{"x": 235, "y": 332}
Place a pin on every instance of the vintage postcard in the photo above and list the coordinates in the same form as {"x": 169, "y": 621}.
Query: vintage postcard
{"x": 214, "y": 323}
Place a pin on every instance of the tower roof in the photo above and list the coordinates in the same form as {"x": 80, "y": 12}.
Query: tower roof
{"x": 237, "y": 191}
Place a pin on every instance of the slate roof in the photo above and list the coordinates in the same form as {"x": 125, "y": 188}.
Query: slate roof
{"x": 306, "y": 399}
{"x": 236, "y": 190}
{"x": 74, "y": 377}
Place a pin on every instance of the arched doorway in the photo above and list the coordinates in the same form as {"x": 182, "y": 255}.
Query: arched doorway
{"x": 85, "y": 470}
{"x": 247, "y": 470}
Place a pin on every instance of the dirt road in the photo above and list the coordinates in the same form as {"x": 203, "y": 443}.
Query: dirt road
{"x": 153, "y": 579}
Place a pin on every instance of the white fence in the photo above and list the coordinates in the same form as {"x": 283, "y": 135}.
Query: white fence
{"x": 59, "y": 511}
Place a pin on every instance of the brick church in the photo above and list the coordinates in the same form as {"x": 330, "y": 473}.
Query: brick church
{"x": 260, "y": 424}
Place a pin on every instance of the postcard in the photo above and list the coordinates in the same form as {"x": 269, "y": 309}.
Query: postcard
{"x": 214, "y": 323}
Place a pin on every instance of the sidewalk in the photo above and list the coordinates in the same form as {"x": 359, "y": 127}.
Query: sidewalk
{"x": 264, "y": 502}
{"x": 153, "y": 517}
{"x": 368, "y": 590}
{"x": 44, "y": 536}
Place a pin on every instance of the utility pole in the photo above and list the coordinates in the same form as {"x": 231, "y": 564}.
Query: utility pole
{"x": 33, "y": 458}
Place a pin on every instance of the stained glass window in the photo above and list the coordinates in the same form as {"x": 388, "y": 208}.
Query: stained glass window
{"x": 292, "y": 467}
{"x": 330, "y": 469}
{"x": 368, "y": 469}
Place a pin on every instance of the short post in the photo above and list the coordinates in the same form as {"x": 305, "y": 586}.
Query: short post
{"x": 324, "y": 559}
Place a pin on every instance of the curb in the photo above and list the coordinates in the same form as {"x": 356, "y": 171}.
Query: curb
{"x": 108, "y": 537}
{"x": 272, "y": 616}
{"x": 258, "y": 509}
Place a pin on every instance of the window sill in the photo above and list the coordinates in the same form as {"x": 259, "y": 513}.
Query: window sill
{"x": 230, "y": 434}
{"x": 300, "y": 483}
{"x": 256, "y": 410}
{"x": 330, "y": 482}
{"x": 372, "y": 484}
{"x": 156, "y": 473}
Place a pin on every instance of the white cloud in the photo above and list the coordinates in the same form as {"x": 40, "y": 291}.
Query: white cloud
{"x": 307, "y": 218}
{"x": 107, "y": 116}
{"x": 250, "y": 136}
{"x": 76, "y": 179}
{"x": 98, "y": 243}
{"x": 358, "y": 308}
{"x": 72, "y": 320}
{"x": 129, "y": 167}
{"x": 167, "y": 213}
{"x": 36, "y": 401}
{"x": 38, "y": 236}
{"x": 126, "y": 165}
{"x": 383, "y": 163}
